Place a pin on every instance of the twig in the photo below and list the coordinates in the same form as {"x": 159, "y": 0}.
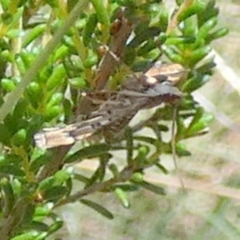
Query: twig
{"x": 105, "y": 70}
{"x": 55, "y": 164}
{"x": 116, "y": 50}
{"x": 15, "y": 219}
{"x": 123, "y": 177}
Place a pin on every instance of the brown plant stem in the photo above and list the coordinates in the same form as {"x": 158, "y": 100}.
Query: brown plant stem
{"x": 55, "y": 164}
{"x": 105, "y": 70}
{"x": 123, "y": 177}
{"x": 114, "y": 53}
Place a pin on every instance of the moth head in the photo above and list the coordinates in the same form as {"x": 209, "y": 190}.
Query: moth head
{"x": 140, "y": 82}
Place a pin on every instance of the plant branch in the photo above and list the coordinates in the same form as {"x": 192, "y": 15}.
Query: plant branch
{"x": 115, "y": 52}
{"x": 105, "y": 70}
{"x": 124, "y": 175}
{"x": 55, "y": 164}
{"x": 10, "y": 223}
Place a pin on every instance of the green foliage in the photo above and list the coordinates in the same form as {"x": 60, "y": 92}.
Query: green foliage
{"x": 44, "y": 62}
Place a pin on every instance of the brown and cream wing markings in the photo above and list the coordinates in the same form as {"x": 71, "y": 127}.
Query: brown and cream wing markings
{"x": 115, "y": 109}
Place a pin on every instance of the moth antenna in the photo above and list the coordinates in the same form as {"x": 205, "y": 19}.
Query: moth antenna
{"x": 173, "y": 146}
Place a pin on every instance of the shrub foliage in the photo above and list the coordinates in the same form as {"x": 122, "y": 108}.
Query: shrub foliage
{"x": 51, "y": 51}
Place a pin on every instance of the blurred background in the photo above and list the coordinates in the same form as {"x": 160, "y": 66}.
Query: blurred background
{"x": 209, "y": 208}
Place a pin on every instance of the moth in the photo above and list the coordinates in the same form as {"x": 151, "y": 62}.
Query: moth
{"x": 114, "y": 109}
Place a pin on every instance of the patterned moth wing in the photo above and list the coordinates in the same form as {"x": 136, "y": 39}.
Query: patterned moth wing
{"x": 114, "y": 110}
{"x": 138, "y": 92}
{"x": 175, "y": 72}
{"x": 109, "y": 112}
{"x": 146, "y": 93}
